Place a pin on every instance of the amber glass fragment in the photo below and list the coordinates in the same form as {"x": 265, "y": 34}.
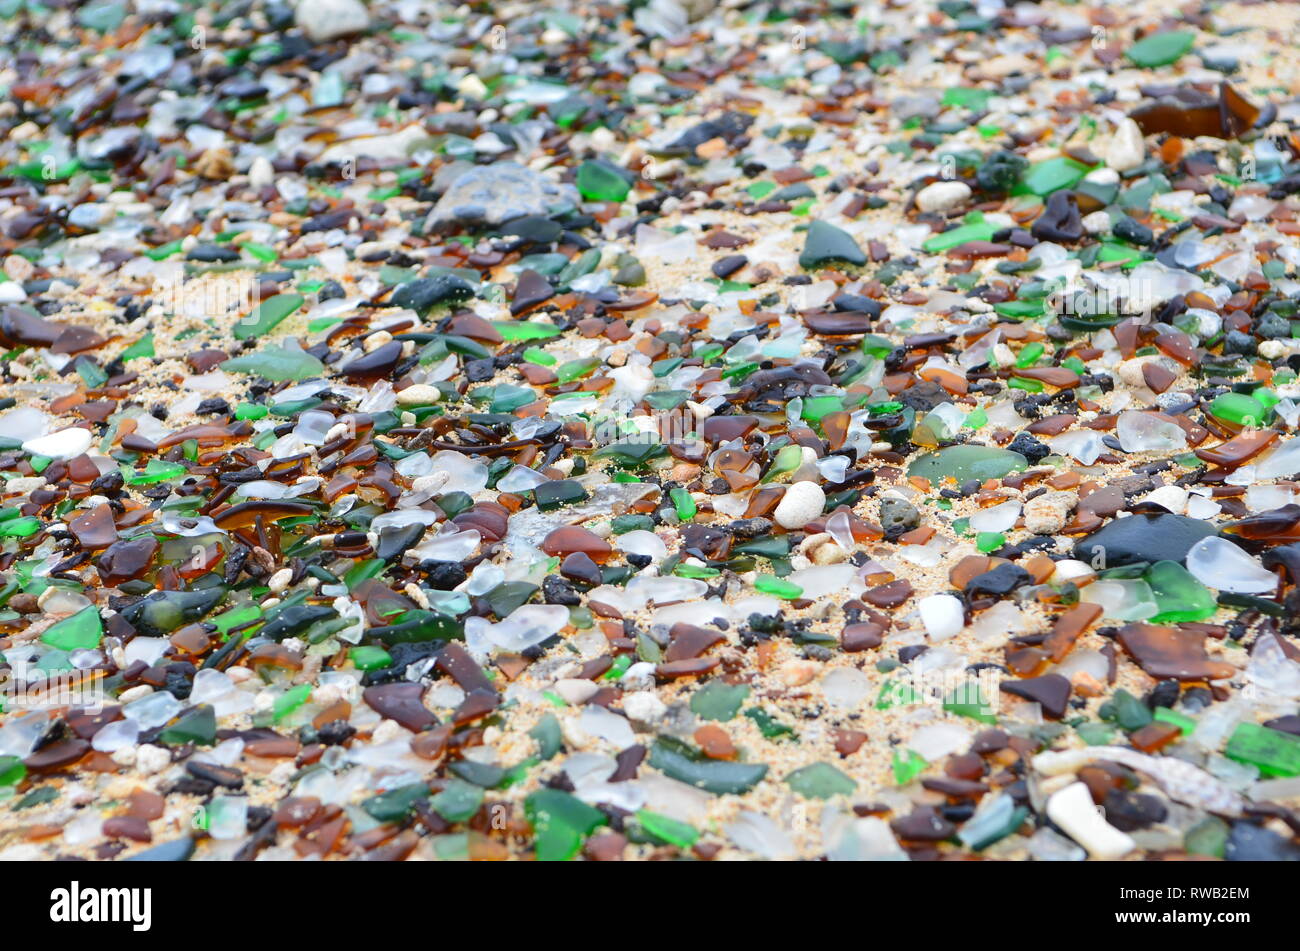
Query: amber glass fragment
{"x": 1167, "y": 652}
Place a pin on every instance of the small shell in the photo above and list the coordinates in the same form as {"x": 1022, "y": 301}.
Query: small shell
{"x": 1179, "y": 779}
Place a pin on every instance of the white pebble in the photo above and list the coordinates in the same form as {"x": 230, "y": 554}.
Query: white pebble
{"x": 420, "y": 394}
{"x": 325, "y": 20}
{"x": 941, "y": 196}
{"x": 576, "y": 690}
{"x": 261, "y": 173}
{"x": 150, "y": 759}
{"x": 1096, "y": 223}
{"x": 643, "y": 706}
{"x": 802, "y": 503}
{"x": 942, "y": 615}
{"x": 1171, "y": 497}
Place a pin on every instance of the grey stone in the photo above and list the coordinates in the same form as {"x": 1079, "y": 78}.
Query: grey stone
{"x": 493, "y": 194}
{"x": 325, "y": 20}
{"x": 898, "y": 514}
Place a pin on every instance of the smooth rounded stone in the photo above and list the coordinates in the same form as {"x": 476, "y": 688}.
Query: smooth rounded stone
{"x": 898, "y": 514}
{"x": 967, "y": 462}
{"x": 1096, "y": 223}
{"x": 325, "y": 20}
{"x": 941, "y": 196}
{"x": 1251, "y": 843}
{"x": 65, "y": 444}
{"x": 1073, "y": 810}
{"x": 420, "y": 394}
{"x": 942, "y": 615}
{"x": 494, "y": 194}
{"x": 802, "y": 502}
{"x": 1151, "y": 538}
{"x": 576, "y": 690}
{"x": 1218, "y": 563}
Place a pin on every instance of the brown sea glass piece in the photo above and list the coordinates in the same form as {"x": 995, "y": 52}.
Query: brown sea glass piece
{"x": 247, "y": 513}
{"x": 719, "y": 429}
{"x": 686, "y": 668}
{"x": 1026, "y": 661}
{"x": 687, "y": 640}
{"x": 848, "y": 742}
{"x": 1190, "y": 113}
{"x": 1154, "y": 736}
{"x": 94, "y": 529}
{"x": 838, "y": 323}
{"x": 1067, "y": 628}
{"x": 889, "y": 595}
{"x": 571, "y": 538}
{"x": 714, "y": 742}
{"x": 1239, "y": 449}
{"x": 969, "y": 567}
{"x": 1051, "y": 692}
{"x": 126, "y": 560}
{"x": 490, "y": 519}
{"x": 763, "y": 502}
{"x": 865, "y": 635}
{"x": 1053, "y": 376}
{"x": 401, "y": 702}
{"x": 1278, "y": 525}
{"x": 377, "y": 363}
{"x": 1166, "y": 652}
